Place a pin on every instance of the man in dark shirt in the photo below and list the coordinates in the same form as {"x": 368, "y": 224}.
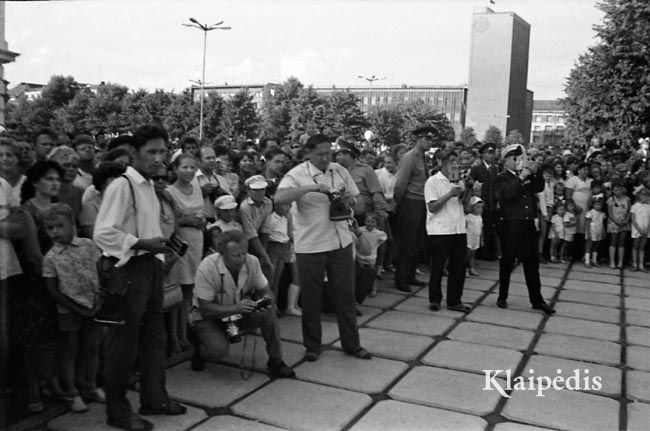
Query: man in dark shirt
{"x": 515, "y": 191}
{"x": 486, "y": 172}
{"x": 411, "y": 209}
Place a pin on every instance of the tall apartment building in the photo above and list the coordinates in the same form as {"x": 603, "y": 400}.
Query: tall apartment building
{"x": 6, "y": 56}
{"x": 498, "y": 73}
{"x": 548, "y": 123}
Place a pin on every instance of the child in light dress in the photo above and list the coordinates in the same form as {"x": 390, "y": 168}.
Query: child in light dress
{"x": 556, "y": 234}
{"x": 640, "y": 218}
{"x": 595, "y": 231}
{"x": 570, "y": 223}
{"x": 474, "y": 225}
{"x": 618, "y": 223}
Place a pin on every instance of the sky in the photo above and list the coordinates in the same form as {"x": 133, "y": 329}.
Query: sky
{"x": 143, "y": 44}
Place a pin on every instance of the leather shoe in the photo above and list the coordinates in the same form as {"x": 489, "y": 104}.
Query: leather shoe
{"x": 502, "y": 303}
{"x": 459, "y": 307}
{"x": 544, "y": 307}
{"x": 311, "y": 356}
{"x": 277, "y": 368}
{"x": 133, "y": 423}
{"x": 360, "y": 353}
{"x": 403, "y": 288}
{"x": 170, "y": 408}
{"x": 434, "y": 306}
{"x": 416, "y": 282}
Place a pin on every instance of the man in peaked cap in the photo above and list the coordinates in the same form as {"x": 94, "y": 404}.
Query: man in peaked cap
{"x": 486, "y": 173}
{"x": 253, "y": 210}
{"x": 516, "y": 188}
{"x": 411, "y": 209}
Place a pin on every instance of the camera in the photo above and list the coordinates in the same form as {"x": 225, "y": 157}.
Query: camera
{"x": 263, "y": 303}
{"x": 339, "y": 208}
{"x": 232, "y": 328}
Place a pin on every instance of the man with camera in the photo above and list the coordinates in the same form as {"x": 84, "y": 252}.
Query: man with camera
{"x": 212, "y": 184}
{"x": 130, "y": 238}
{"x": 232, "y": 295}
{"x": 323, "y": 193}
{"x": 516, "y": 189}
{"x": 443, "y": 194}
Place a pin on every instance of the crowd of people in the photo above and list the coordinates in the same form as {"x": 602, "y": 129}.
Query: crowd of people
{"x": 115, "y": 258}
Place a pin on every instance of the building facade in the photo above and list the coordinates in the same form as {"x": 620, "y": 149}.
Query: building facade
{"x": 548, "y": 124}
{"x": 498, "y": 73}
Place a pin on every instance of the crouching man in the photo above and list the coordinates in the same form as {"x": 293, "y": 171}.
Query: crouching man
{"x": 227, "y": 293}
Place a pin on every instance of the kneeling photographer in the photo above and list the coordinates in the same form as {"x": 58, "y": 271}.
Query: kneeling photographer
{"x": 223, "y": 308}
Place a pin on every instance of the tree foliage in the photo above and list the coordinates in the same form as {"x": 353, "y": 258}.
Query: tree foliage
{"x": 514, "y": 137}
{"x": 493, "y": 136}
{"x": 468, "y": 136}
{"x": 608, "y": 90}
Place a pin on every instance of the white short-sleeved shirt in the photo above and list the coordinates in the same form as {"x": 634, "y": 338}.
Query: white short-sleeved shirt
{"x": 374, "y": 237}
{"x": 214, "y": 283}
{"x": 450, "y": 219}
{"x": 277, "y": 227}
{"x": 313, "y": 231}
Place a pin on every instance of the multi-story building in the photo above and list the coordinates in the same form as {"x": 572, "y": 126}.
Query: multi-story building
{"x": 6, "y": 56}
{"x": 228, "y": 91}
{"x": 548, "y": 123}
{"x": 498, "y": 73}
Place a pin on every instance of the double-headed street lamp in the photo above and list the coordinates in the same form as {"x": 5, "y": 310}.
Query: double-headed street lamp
{"x": 370, "y": 80}
{"x": 205, "y": 28}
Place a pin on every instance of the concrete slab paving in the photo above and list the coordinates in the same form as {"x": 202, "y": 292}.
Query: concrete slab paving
{"x": 611, "y": 378}
{"x": 638, "y": 335}
{"x": 637, "y": 318}
{"x": 603, "y": 269}
{"x": 216, "y": 386}
{"x": 638, "y": 385}
{"x": 413, "y": 323}
{"x": 448, "y": 389}
{"x": 291, "y": 330}
{"x": 383, "y": 300}
{"x": 592, "y": 286}
{"x": 628, "y": 273}
{"x": 233, "y": 423}
{"x": 335, "y": 368}
{"x": 586, "y": 349}
{"x": 298, "y": 405}
{"x": 637, "y": 292}
{"x": 498, "y": 316}
{"x": 469, "y": 295}
{"x": 638, "y": 358}
{"x": 396, "y": 415}
{"x": 471, "y": 357}
{"x": 522, "y": 289}
{"x": 638, "y": 282}
{"x": 638, "y": 416}
{"x": 599, "y": 278}
{"x": 417, "y": 304}
{"x": 634, "y": 303}
{"x": 583, "y": 328}
{"x": 519, "y": 277}
{"x": 95, "y": 418}
{"x": 368, "y": 313}
{"x": 394, "y": 345}
{"x": 516, "y": 301}
{"x": 491, "y": 335}
{"x": 512, "y": 426}
{"x": 256, "y": 358}
{"x": 473, "y": 283}
{"x": 565, "y": 410}
{"x": 587, "y": 312}
{"x": 594, "y": 298}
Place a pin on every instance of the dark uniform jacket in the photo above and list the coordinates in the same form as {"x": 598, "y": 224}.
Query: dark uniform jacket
{"x": 516, "y": 198}
{"x": 488, "y": 178}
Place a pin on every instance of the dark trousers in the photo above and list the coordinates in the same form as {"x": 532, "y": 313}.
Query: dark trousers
{"x": 340, "y": 269}
{"x": 489, "y": 249}
{"x": 411, "y": 218}
{"x": 144, "y": 332}
{"x": 453, "y": 247}
{"x": 519, "y": 239}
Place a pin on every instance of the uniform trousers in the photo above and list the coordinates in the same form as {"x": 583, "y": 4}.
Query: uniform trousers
{"x": 340, "y": 268}
{"x": 519, "y": 240}
{"x": 454, "y": 248}
{"x": 410, "y": 235}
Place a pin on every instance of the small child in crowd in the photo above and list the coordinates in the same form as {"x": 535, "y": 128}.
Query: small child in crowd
{"x": 375, "y": 238}
{"x": 71, "y": 278}
{"x": 570, "y": 222}
{"x": 226, "y": 207}
{"x": 278, "y": 246}
{"x": 640, "y": 218}
{"x": 618, "y": 222}
{"x": 556, "y": 234}
{"x": 595, "y": 231}
{"x": 474, "y": 224}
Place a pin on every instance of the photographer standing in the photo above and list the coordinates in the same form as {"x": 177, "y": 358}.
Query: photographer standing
{"x": 516, "y": 190}
{"x": 323, "y": 192}
{"x": 211, "y": 183}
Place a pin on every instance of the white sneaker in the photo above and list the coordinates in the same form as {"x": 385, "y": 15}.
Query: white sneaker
{"x": 77, "y": 405}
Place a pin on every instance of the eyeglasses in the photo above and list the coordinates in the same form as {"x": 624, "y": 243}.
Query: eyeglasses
{"x": 157, "y": 178}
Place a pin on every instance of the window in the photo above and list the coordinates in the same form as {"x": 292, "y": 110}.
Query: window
{"x": 537, "y": 128}
{"x": 538, "y": 118}
{"x": 549, "y": 118}
{"x": 548, "y": 128}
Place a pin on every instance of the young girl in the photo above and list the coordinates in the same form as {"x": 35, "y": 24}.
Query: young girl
{"x": 474, "y": 223}
{"x": 594, "y": 231}
{"x": 570, "y": 222}
{"x": 368, "y": 259}
{"x": 618, "y": 222}
{"x": 640, "y": 218}
{"x": 556, "y": 234}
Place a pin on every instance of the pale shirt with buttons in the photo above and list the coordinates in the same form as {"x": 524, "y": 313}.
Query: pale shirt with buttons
{"x": 214, "y": 179}
{"x": 115, "y": 228}
{"x": 313, "y": 231}
{"x": 450, "y": 219}
{"x": 214, "y": 283}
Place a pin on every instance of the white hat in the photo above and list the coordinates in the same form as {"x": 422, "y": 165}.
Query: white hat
{"x": 475, "y": 200}
{"x": 566, "y": 153}
{"x": 518, "y": 149}
{"x": 175, "y": 155}
{"x": 256, "y": 182}
{"x": 225, "y": 202}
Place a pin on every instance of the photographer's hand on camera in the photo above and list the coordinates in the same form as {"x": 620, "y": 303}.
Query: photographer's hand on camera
{"x": 153, "y": 245}
{"x": 246, "y": 306}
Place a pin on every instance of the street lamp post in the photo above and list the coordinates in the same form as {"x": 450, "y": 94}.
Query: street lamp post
{"x": 205, "y": 29}
{"x": 370, "y": 80}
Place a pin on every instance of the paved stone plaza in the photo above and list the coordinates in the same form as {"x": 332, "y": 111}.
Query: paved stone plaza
{"x": 426, "y": 373}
